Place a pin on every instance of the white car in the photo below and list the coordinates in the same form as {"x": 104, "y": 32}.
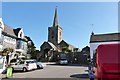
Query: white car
{"x": 40, "y": 65}
{"x": 25, "y": 65}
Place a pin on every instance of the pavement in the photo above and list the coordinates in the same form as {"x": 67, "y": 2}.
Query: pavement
{"x": 54, "y": 71}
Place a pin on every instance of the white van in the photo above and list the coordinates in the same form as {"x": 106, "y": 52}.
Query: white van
{"x": 2, "y": 63}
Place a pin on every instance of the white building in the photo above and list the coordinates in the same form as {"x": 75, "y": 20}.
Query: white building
{"x": 12, "y": 39}
{"x": 1, "y": 28}
{"x": 97, "y": 39}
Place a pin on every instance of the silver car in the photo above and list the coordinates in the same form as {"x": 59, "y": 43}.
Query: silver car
{"x": 40, "y": 65}
{"x": 63, "y": 61}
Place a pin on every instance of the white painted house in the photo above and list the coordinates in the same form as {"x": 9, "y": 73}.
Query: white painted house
{"x": 12, "y": 39}
{"x": 1, "y": 29}
{"x": 97, "y": 39}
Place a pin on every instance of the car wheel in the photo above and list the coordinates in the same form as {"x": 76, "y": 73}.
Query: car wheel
{"x": 38, "y": 67}
{"x": 41, "y": 68}
{"x": 24, "y": 69}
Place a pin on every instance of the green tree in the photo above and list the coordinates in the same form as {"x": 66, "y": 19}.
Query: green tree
{"x": 65, "y": 50}
{"x": 31, "y": 47}
{"x": 35, "y": 54}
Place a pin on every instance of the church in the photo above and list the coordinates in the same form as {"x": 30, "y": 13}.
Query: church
{"x": 55, "y": 45}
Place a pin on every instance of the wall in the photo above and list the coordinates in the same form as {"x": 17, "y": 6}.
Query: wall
{"x": 59, "y": 35}
{"x": 1, "y": 28}
{"x": 9, "y": 42}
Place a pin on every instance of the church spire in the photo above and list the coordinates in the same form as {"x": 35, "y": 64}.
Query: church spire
{"x": 55, "y": 23}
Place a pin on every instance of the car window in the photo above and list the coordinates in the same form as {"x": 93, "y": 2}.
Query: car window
{"x": 17, "y": 63}
{"x": 32, "y": 61}
{"x": 22, "y": 62}
{"x": 28, "y": 62}
{"x": 13, "y": 60}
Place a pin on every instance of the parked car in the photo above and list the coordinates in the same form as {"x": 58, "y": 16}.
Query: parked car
{"x": 40, "y": 65}
{"x": 63, "y": 61}
{"x": 25, "y": 65}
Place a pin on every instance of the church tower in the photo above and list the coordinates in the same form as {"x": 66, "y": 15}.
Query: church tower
{"x": 55, "y": 32}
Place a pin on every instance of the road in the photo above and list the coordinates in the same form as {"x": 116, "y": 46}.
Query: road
{"x": 55, "y": 71}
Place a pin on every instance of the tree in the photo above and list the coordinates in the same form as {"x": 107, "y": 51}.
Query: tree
{"x": 86, "y": 49}
{"x": 31, "y": 47}
{"x": 75, "y": 49}
{"x": 66, "y": 50}
{"x": 35, "y": 54}
{"x": 6, "y": 52}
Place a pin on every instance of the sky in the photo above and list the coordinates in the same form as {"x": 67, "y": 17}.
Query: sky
{"x": 77, "y": 19}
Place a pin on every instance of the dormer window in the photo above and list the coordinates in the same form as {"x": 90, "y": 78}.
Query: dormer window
{"x": 21, "y": 35}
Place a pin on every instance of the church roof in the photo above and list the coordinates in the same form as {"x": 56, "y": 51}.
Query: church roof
{"x": 105, "y": 37}
{"x": 52, "y": 45}
{"x": 63, "y": 41}
{"x": 55, "y": 22}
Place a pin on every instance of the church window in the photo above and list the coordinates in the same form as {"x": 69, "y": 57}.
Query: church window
{"x": 60, "y": 34}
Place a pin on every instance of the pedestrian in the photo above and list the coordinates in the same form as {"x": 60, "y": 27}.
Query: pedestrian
{"x": 9, "y": 71}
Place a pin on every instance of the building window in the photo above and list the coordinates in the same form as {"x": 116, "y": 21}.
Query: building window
{"x": 20, "y": 45}
{"x": 60, "y": 33}
{"x": 21, "y": 34}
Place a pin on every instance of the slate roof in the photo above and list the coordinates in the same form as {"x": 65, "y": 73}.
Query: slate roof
{"x": 63, "y": 41}
{"x": 105, "y": 37}
{"x": 52, "y": 45}
{"x": 9, "y": 30}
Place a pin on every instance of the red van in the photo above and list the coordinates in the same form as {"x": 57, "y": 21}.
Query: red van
{"x": 108, "y": 62}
